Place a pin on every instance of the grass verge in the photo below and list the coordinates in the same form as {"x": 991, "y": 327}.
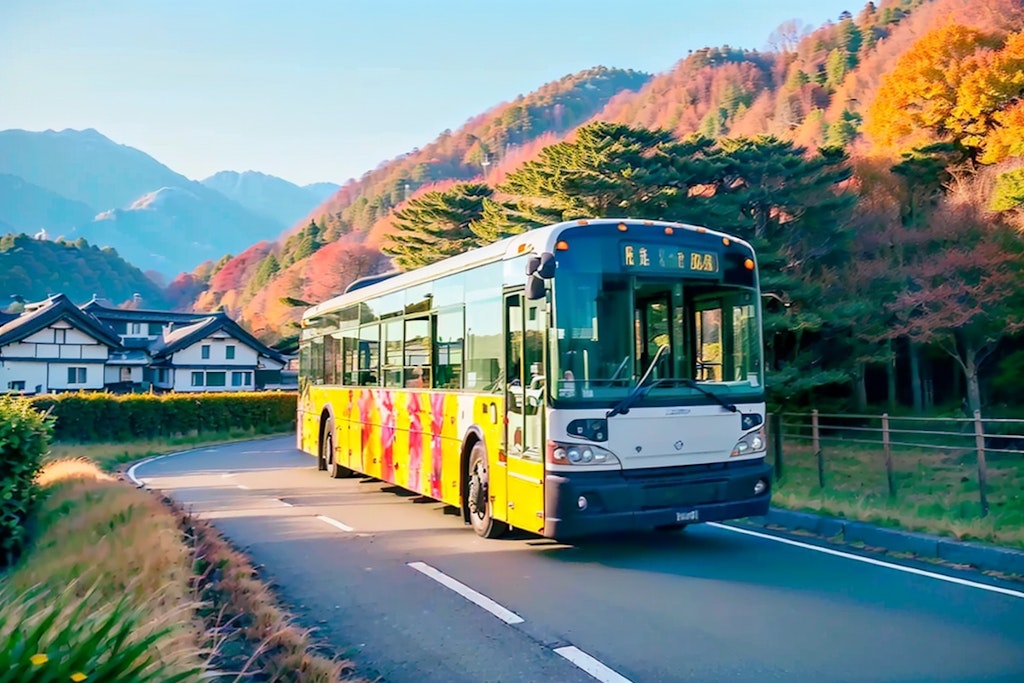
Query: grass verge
{"x": 117, "y": 585}
{"x": 936, "y": 490}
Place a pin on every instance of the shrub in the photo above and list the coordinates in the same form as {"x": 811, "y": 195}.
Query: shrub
{"x": 89, "y": 417}
{"x": 24, "y": 440}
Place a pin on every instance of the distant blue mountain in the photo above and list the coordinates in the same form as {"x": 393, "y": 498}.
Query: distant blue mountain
{"x": 154, "y": 217}
{"x": 269, "y": 195}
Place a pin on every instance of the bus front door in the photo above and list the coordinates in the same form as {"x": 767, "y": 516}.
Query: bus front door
{"x": 524, "y": 401}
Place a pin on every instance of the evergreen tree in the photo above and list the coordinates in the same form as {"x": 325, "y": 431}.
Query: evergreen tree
{"x": 612, "y": 170}
{"x": 436, "y": 225}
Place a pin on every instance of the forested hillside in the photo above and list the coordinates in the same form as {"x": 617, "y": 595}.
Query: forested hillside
{"x": 32, "y": 269}
{"x": 875, "y": 162}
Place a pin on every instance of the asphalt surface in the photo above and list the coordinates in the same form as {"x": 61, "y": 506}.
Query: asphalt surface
{"x": 355, "y": 558}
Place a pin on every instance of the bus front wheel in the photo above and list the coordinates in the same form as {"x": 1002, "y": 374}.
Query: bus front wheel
{"x": 478, "y": 501}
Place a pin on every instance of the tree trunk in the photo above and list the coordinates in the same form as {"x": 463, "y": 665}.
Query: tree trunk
{"x": 890, "y": 372}
{"x": 860, "y": 388}
{"x": 971, "y": 375}
{"x": 915, "y": 377}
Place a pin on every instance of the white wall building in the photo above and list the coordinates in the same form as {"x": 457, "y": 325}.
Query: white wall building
{"x": 57, "y": 346}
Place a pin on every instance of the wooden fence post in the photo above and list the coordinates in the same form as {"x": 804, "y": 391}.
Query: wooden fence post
{"x": 979, "y": 442}
{"x": 888, "y": 455}
{"x": 775, "y": 427}
{"x": 816, "y": 441}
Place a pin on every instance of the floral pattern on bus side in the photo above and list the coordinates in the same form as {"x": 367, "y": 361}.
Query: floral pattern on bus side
{"x": 365, "y": 416}
{"x": 414, "y": 407}
{"x": 436, "y": 450}
{"x": 389, "y": 427}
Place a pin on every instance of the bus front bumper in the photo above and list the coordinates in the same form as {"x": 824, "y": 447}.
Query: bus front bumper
{"x": 589, "y": 503}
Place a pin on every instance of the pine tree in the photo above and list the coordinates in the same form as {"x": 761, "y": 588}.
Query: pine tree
{"x": 436, "y": 225}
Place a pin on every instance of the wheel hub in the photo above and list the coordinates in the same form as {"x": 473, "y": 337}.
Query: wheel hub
{"x": 477, "y": 494}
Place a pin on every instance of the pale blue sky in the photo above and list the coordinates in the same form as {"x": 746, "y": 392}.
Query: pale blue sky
{"x": 314, "y": 90}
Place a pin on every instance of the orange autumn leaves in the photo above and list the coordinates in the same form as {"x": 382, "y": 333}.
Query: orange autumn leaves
{"x": 956, "y": 84}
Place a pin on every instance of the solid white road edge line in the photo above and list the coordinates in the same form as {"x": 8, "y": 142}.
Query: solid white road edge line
{"x": 131, "y": 470}
{"x": 592, "y": 666}
{"x": 479, "y": 599}
{"x": 335, "y": 523}
{"x": 878, "y": 563}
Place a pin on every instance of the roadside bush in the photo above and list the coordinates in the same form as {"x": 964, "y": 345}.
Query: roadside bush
{"x": 24, "y": 440}
{"x": 90, "y": 417}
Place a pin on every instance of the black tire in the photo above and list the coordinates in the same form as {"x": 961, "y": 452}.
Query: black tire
{"x": 478, "y": 500}
{"x": 321, "y": 459}
{"x": 334, "y": 470}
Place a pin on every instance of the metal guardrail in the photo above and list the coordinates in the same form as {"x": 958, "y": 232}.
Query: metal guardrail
{"x": 982, "y": 436}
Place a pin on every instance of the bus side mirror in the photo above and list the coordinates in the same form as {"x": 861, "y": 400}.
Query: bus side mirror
{"x": 532, "y": 264}
{"x": 536, "y": 288}
{"x": 546, "y": 269}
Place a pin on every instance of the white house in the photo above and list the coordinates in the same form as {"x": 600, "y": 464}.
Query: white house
{"x": 54, "y": 346}
{"x": 57, "y": 346}
{"x": 193, "y": 351}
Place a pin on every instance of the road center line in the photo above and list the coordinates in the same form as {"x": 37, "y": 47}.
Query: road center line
{"x": 479, "y": 599}
{"x": 335, "y": 523}
{"x": 877, "y": 563}
{"x": 592, "y": 666}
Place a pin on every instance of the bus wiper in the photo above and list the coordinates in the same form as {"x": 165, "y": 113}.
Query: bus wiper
{"x": 685, "y": 381}
{"x": 639, "y": 390}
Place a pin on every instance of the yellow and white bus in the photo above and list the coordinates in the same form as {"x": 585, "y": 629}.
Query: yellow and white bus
{"x": 580, "y": 378}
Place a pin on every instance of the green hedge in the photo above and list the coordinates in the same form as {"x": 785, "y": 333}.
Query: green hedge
{"x": 24, "y": 440}
{"x": 88, "y": 417}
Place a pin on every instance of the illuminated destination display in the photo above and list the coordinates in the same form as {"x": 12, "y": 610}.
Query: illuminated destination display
{"x": 666, "y": 258}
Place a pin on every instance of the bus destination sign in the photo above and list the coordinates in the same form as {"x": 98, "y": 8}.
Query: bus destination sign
{"x": 663, "y": 258}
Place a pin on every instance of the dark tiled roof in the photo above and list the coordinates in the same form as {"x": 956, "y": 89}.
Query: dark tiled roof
{"x": 7, "y": 317}
{"x": 52, "y": 310}
{"x": 185, "y": 336}
{"x": 141, "y": 316}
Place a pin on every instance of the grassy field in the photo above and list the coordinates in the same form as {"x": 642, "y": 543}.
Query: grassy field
{"x": 936, "y": 490}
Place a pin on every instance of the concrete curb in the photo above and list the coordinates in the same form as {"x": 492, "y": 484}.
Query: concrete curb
{"x": 978, "y": 555}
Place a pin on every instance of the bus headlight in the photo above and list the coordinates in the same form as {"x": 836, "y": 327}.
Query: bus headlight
{"x": 579, "y": 454}
{"x": 750, "y": 444}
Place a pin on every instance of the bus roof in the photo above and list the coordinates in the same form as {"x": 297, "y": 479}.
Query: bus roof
{"x": 534, "y": 241}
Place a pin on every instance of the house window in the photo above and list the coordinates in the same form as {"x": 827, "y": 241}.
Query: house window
{"x": 76, "y": 375}
{"x": 18, "y": 385}
{"x": 241, "y": 379}
{"x": 161, "y": 375}
{"x": 121, "y": 328}
{"x": 197, "y": 379}
{"x": 216, "y": 379}
{"x": 229, "y": 352}
{"x": 136, "y": 328}
{"x": 205, "y": 351}
{"x": 155, "y": 329}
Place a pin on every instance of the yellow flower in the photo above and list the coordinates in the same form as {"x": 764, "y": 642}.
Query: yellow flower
{"x": 39, "y": 659}
{"x": 78, "y": 677}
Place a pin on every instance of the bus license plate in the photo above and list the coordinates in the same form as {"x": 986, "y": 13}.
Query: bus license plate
{"x": 688, "y": 516}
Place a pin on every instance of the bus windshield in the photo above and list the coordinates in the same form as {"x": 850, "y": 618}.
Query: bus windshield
{"x": 608, "y": 328}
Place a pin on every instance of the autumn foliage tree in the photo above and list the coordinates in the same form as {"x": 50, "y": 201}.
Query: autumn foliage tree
{"x": 964, "y": 290}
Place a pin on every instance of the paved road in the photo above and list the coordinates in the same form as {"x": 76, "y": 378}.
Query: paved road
{"x": 365, "y": 564}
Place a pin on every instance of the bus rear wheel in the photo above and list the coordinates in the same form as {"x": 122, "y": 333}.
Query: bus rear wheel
{"x": 478, "y": 500}
{"x": 334, "y": 470}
